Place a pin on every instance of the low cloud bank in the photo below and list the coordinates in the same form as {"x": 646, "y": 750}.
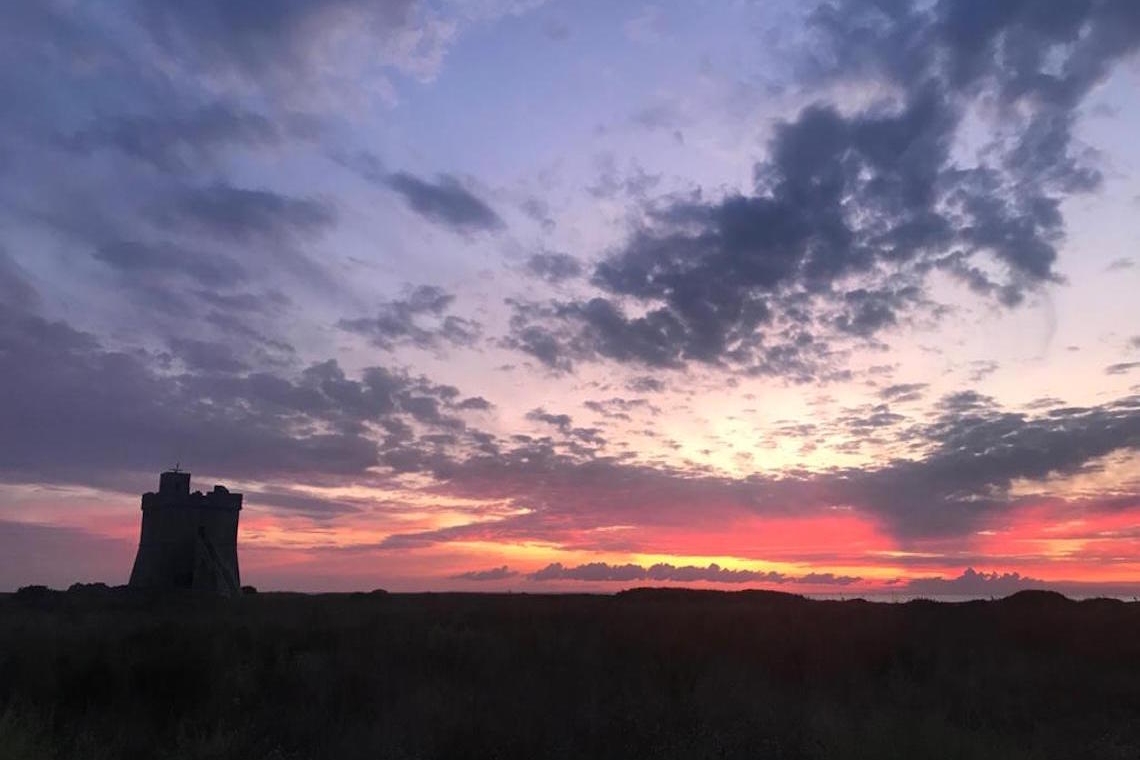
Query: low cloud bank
{"x": 602, "y": 571}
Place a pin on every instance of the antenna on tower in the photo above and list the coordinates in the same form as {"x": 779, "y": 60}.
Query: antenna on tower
{"x": 177, "y": 467}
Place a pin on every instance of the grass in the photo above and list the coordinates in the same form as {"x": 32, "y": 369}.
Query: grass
{"x": 662, "y": 673}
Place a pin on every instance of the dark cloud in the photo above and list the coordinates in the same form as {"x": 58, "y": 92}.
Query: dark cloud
{"x": 981, "y": 369}
{"x": 1121, "y": 368}
{"x": 864, "y": 422}
{"x": 850, "y": 212}
{"x": 1120, "y": 265}
{"x": 554, "y": 267}
{"x": 974, "y": 584}
{"x": 90, "y": 414}
{"x": 547, "y": 344}
{"x": 243, "y": 215}
{"x": 718, "y": 269}
{"x": 713, "y": 573}
{"x": 980, "y": 584}
{"x": 127, "y": 152}
{"x": 244, "y": 302}
{"x": 974, "y": 46}
{"x": 645, "y": 384}
{"x": 142, "y": 259}
{"x": 494, "y": 574}
{"x": 203, "y": 356}
{"x": 560, "y": 421}
{"x": 621, "y": 408}
{"x": 445, "y": 202}
{"x": 965, "y": 401}
{"x": 231, "y": 321}
{"x": 978, "y": 452}
{"x": 963, "y": 466}
{"x": 364, "y": 163}
{"x": 273, "y": 42}
{"x": 300, "y": 502}
{"x": 177, "y": 141}
{"x": 593, "y": 571}
{"x": 475, "y": 403}
{"x": 419, "y": 320}
{"x": 561, "y": 334}
{"x": 901, "y": 392}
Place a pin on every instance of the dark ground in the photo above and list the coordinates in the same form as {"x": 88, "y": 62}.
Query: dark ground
{"x": 642, "y": 674}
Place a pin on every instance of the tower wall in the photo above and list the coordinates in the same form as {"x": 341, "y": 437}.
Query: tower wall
{"x": 174, "y": 483}
{"x": 188, "y": 540}
{"x": 166, "y": 549}
{"x": 217, "y": 525}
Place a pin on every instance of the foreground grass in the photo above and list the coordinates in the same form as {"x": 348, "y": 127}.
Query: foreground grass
{"x": 642, "y": 674}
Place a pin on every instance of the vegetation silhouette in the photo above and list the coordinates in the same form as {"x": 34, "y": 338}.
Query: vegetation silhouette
{"x": 97, "y": 672}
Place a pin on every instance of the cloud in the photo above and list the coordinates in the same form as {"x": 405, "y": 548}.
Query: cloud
{"x": 243, "y": 215}
{"x": 539, "y": 210}
{"x": 365, "y": 164}
{"x": 964, "y": 463}
{"x": 981, "y": 369}
{"x": 1121, "y": 368}
{"x": 494, "y": 574}
{"x": 177, "y": 141}
{"x": 901, "y": 392}
{"x": 282, "y": 45}
{"x": 620, "y": 408}
{"x": 851, "y": 211}
{"x": 554, "y": 267}
{"x": 664, "y": 115}
{"x": 301, "y": 502}
{"x": 561, "y": 421}
{"x": 418, "y": 320}
{"x": 202, "y": 356}
{"x": 137, "y": 161}
{"x": 1120, "y": 265}
{"x": 446, "y": 202}
{"x": 142, "y": 259}
{"x": 976, "y": 454}
{"x": 556, "y": 30}
{"x": 15, "y": 290}
{"x": 90, "y": 414}
{"x": 713, "y": 573}
{"x": 974, "y": 583}
{"x": 612, "y": 182}
{"x": 645, "y": 384}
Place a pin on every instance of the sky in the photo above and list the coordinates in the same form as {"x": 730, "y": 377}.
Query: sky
{"x": 486, "y": 295}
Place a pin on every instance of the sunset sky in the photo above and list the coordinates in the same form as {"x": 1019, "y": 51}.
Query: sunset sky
{"x": 837, "y": 298}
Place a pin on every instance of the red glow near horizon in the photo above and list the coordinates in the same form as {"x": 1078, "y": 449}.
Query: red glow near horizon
{"x": 1053, "y": 542}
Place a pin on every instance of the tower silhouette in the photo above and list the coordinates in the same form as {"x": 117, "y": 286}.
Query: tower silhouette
{"x": 188, "y": 540}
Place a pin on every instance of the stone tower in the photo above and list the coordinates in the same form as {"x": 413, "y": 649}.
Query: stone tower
{"x": 188, "y": 540}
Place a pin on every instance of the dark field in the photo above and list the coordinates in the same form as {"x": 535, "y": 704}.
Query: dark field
{"x": 641, "y": 674}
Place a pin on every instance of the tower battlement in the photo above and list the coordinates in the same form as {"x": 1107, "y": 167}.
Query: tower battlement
{"x": 188, "y": 540}
{"x": 219, "y": 498}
